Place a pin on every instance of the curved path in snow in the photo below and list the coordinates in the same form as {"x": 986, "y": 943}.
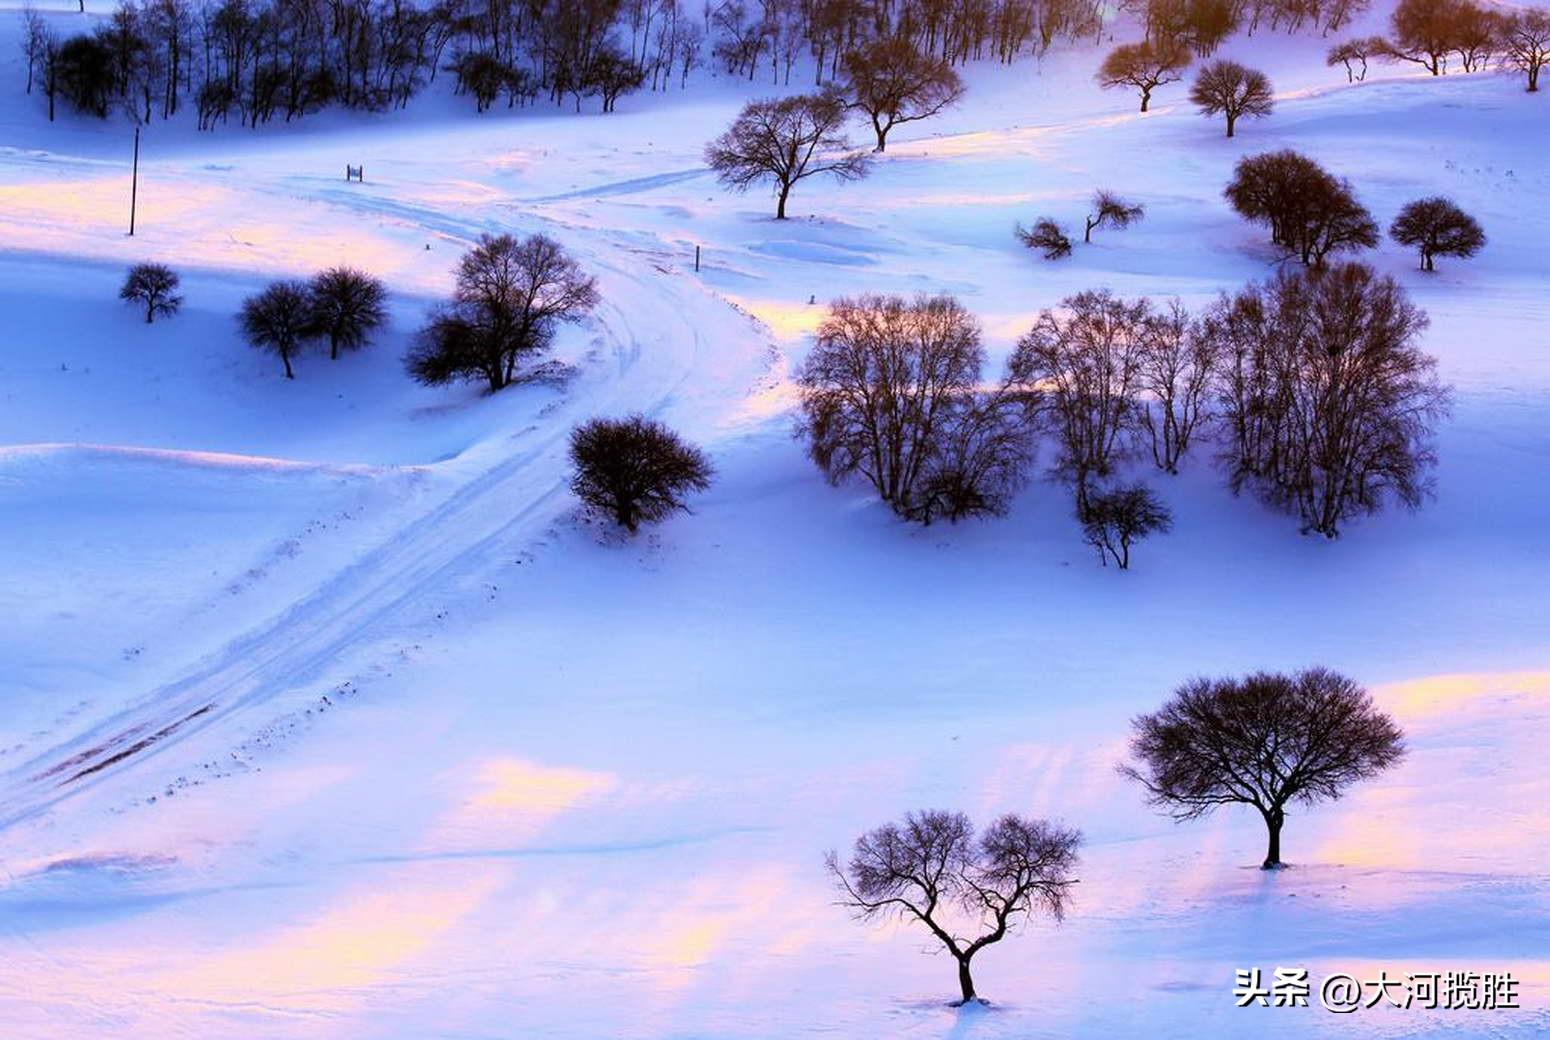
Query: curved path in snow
{"x": 652, "y": 329}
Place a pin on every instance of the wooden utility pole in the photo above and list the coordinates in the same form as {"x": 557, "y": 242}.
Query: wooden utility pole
{"x": 134, "y": 184}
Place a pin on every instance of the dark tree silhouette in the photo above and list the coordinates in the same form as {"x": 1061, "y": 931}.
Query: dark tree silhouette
{"x": 893, "y": 82}
{"x": 891, "y": 391}
{"x": 347, "y": 307}
{"x": 1437, "y": 227}
{"x": 967, "y": 892}
{"x": 279, "y": 320}
{"x": 1423, "y": 32}
{"x": 1266, "y": 740}
{"x": 1353, "y": 54}
{"x": 1178, "y": 371}
{"x": 1048, "y": 237}
{"x": 1082, "y": 364}
{"x": 635, "y": 470}
{"x": 1310, "y": 212}
{"x": 1228, "y": 89}
{"x": 1328, "y": 401}
{"x": 154, "y": 287}
{"x": 1117, "y": 518}
{"x": 1109, "y": 210}
{"x": 786, "y": 141}
{"x": 1145, "y": 66}
{"x": 510, "y": 296}
{"x": 1525, "y": 38}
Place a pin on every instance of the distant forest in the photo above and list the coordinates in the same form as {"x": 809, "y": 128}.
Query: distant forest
{"x": 252, "y": 61}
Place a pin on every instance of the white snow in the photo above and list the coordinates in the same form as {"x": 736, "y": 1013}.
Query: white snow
{"x": 423, "y": 753}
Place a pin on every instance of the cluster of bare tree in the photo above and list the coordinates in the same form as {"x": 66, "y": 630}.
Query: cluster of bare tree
{"x": 1312, "y": 214}
{"x": 1312, "y": 384}
{"x": 1436, "y": 33}
{"x": 341, "y": 305}
{"x": 892, "y": 392}
{"x": 1266, "y": 741}
{"x": 262, "y": 59}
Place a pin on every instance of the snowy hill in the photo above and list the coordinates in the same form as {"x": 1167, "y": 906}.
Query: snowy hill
{"x": 323, "y": 712}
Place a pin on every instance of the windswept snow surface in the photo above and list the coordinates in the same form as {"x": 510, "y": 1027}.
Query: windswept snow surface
{"x": 323, "y": 714}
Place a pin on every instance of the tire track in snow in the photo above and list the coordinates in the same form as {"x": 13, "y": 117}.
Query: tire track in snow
{"x": 476, "y": 527}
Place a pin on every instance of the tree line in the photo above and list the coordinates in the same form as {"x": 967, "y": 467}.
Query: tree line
{"x": 1311, "y": 386}
{"x": 259, "y": 60}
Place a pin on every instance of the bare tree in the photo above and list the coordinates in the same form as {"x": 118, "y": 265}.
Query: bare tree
{"x": 1423, "y": 32}
{"x": 893, "y": 82}
{"x": 1436, "y": 227}
{"x": 891, "y": 391}
{"x": 1109, "y": 210}
{"x": 1329, "y": 402}
{"x": 1311, "y": 213}
{"x": 154, "y": 287}
{"x": 1229, "y": 89}
{"x": 786, "y": 140}
{"x": 1526, "y": 43}
{"x": 1266, "y": 740}
{"x": 279, "y": 320}
{"x": 968, "y": 892}
{"x": 1048, "y": 237}
{"x": 1084, "y": 365}
{"x": 635, "y": 470}
{"x": 1145, "y": 66}
{"x": 1117, "y": 518}
{"x": 1355, "y": 51}
{"x": 981, "y": 462}
{"x": 510, "y": 296}
{"x": 1178, "y": 371}
{"x": 35, "y": 42}
{"x": 347, "y": 307}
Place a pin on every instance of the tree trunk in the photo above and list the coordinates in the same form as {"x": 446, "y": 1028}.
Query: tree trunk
{"x": 1146, "y": 99}
{"x": 965, "y": 980}
{"x": 149, "y": 310}
{"x": 286, "y": 357}
{"x": 1231, "y": 119}
{"x": 333, "y": 348}
{"x": 1273, "y": 823}
{"x": 780, "y": 206}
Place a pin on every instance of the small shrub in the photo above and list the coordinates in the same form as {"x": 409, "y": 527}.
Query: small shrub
{"x": 635, "y": 470}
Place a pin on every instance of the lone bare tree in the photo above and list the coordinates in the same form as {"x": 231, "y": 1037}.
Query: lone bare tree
{"x": 1145, "y": 66}
{"x": 1525, "y": 37}
{"x": 1328, "y": 400}
{"x": 509, "y": 297}
{"x": 1436, "y": 227}
{"x": 1119, "y": 517}
{"x": 154, "y": 287}
{"x": 279, "y": 320}
{"x": 1109, "y": 210}
{"x": 786, "y": 140}
{"x": 347, "y": 307}
{"x": 635, "y": 470}
{"x": 894, "y": 82}
{"x": 1266, "y": 740}
{"x": 968, "y": 892}
{"x": 1229, "y": 89}
{"x": 891, "y": 391}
